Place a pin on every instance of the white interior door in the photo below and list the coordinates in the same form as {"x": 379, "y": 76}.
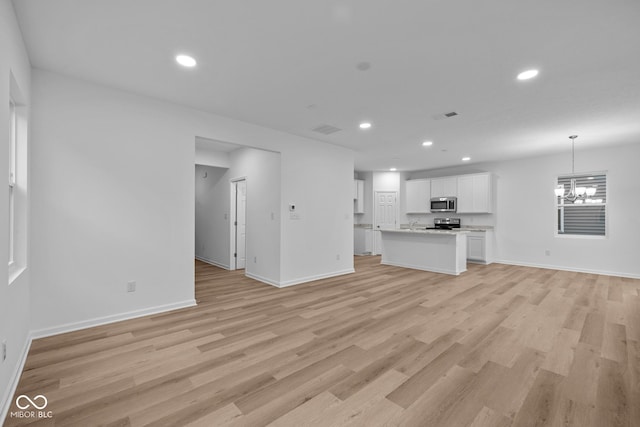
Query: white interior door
{"x": 385, "y": 216}
{"x": 241, "y": 224}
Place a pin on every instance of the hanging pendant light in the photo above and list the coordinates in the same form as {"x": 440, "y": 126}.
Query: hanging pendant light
{"x": 576, "y": 194}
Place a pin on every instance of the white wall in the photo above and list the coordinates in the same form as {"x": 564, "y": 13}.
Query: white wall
{"x": 212, "y": 215}
{"x": 14, "y": 299}
{"x": 261, "y": 169}
{"x": 319, "y": 181}
{"x": 525, "y": 220}
{"x": 524, "y": 217}
{"x": 208, "y": 157}
{"x": 113, "y": 201}
{"x": 386, "y": 181}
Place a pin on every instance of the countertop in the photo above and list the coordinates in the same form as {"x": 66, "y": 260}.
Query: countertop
{"x": 365, "y": 226}
{"x": 464, "y": 228}
{"x": 423, "y": 231}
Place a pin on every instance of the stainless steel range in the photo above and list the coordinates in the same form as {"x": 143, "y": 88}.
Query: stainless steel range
{"x": 445, "y": 224}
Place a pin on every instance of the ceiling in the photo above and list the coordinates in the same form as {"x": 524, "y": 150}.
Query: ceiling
{"x": 293, "y": 65}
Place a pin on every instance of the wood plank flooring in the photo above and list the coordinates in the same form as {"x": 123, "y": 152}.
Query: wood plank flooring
{"x": 497, "y": 346}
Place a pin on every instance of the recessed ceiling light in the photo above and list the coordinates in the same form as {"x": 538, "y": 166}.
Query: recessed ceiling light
{"x": 526, "y": 75}
{"x": 427, "y": 143}
{"x": 365, "y": 125}
{"x": 466, "y": 159}
{"x": 393, "y": 169}
{"x": 186, "y": 60}
{"x": 363, "y": 66}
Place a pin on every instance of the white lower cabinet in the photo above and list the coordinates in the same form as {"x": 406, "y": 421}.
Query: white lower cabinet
{"x": 480, "y": 247}
{"x": 362, "y": 241}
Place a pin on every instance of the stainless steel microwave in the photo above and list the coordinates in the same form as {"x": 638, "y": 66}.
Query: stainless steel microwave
{"x": 444, "y": 204}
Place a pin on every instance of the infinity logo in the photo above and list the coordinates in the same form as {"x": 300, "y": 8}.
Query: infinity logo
{"x": 30, "y": 402}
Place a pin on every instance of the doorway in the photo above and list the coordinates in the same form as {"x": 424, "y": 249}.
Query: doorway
{"x": 239, "y": 225}
{"x": 385, "y": 216}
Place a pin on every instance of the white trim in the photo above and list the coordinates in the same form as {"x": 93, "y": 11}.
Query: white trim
{"x": 262, "y": 279}
{"x": 375, "y": 205}
{"x": 419, "y": 267}
{"x": 15, "y": 271}
{"x": 212, "y": 262}
{"x": 606, "y": 209}
{"x": 15, "y": 379}
{"x": 98, "y": 321}
{"x": 232, "y": 219}
{"x": 581, "y": 236}
{"x": 316, "y": 277}
{"x": 298, "y": 281}
{"x": 577, "y": 270}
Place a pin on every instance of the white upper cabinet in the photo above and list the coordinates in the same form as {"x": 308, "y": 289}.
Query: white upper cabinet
{"x": 444, "y": 187}
{"x": 358, "y": 196}
{"x": 418, "y": 193}
{"x": 474, "y": 193}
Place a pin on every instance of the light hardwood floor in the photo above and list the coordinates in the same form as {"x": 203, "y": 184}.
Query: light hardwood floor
{"x": 497, "y": 346}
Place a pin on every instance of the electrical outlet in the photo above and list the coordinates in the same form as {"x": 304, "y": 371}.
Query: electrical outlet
{"x": 255, "y": 259}
{"x": 338, "y": 257}
{"x": 131, "y": 286}
{"x": 4, "y": 350}
{"x": 547, "y": 252}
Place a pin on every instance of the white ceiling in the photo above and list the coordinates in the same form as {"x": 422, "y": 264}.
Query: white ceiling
{"x": 291, "y": 65}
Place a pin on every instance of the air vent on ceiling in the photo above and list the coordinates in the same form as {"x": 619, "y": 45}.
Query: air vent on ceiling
{"x": 444, "y": 115}
{"x": 326, "y": 129}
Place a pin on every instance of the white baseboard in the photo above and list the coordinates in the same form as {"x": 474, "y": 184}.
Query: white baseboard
{"x": 98, "y": 321}
{"x": 307, "y": 279}
{"x": 299, "y": 281}
{"x": 261, "y": 279}
{"x": 5, "y": 403}
{"x": 212, "y": 262}
{"x": 418, "y": 267}
{"x": 577, "y": 270}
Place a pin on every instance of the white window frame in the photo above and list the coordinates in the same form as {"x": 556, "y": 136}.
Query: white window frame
{"x": 18, "y": 195}
{"x": 559, "y": 210}
{"x": 13, "y": 143}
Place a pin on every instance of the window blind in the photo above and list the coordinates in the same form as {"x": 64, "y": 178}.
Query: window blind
{"x": 584, "y": 217}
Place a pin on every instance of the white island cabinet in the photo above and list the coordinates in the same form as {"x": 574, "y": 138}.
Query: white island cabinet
{"x": 439, "y": 251}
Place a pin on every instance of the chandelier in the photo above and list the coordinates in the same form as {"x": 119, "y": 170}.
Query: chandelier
{"x": 576, "y": 194}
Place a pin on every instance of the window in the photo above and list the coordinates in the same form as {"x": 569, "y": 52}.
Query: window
{"x": 12, "y": 180}
{"x": 18, "y": 197}
{"x": 587, "y": 214}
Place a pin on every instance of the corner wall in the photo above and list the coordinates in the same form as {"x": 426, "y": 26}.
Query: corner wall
{"x": 113, "y": 201}
{"x": 212, "y": 215}
{"x": 261, "y": 169}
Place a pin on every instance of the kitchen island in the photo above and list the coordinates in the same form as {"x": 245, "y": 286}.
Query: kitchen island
{"x": 440, "y": 251}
